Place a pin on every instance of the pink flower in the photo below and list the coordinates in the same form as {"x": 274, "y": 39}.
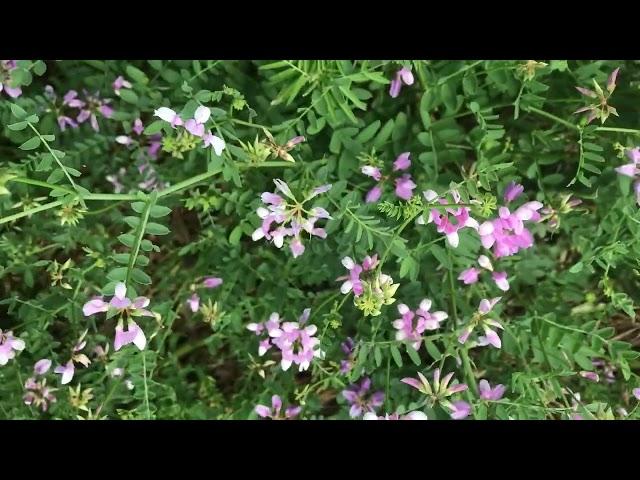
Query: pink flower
{"x": 373, "y": 172}
{"x": 636, "y": 393}
{"x": 460, "y": 410}
{"x": 501, "y": 280}
{"x": 297, "y": 343}
{"x": 512, "y": 191}
{"x": 358, "y": 396}
{"x": 89, "y": 108}
{"x": 451, "y": 220}
{"x": 215, "y": 142}
{"x": 488, "y": 393}
{"x": 403, "y": 76}
{"x": 133, "y": 334}
{"x": 168, "y": 115}
{"x": 593, "y": 376}
{"x": 404, "y": 187}
{"x": 412, "y": 331}
{"x": 374, "y": 194}
{"x": 119, "y": 303}
{"x": 6, "y": 66}
{"x": 402, "y": 162}
{"x": 279, "y": 211}
{"x": 485, "y": 263}
{"x": 507, "y": 233}
{"x": 469, "y": 276}
{"x": 348, "y": 347}
{"x": 353, "y": 282}
{"x": 212, "y": 282}
{"x": 486, "y": 324}
{"x": 120, "y": 83}
{"x": 67, "y": 372}
{"x": 138, "y": 127}
{"x": 42, "y": 366}
{"x": 194, "y": 302}
{"x": 9, "y": 345}
{"x": 632, "y": 170}
{"x": 274, "y": 412}
{"x": 38, "y": 394}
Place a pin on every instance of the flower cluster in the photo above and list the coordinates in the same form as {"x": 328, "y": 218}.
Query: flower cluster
{"x": 6, "y": 66}
{"x": 507, "y": 233}
{"x": 480, "y": 320}
{"x": 410, "y": 330}
{"x": 9, "y": 345}
{"x": 360, "y": 399}
{"x": 440, "y": 391}
{"x": 403, "y": 184}
{"x": 86, "y": 108}
{"x": 289, "y": 211}
{"x": 125, "y": 307}
{"x": 601, "y": 109}
{"x": 274, "y": 412}
{"x": 450, "y": 220}
{"x": 38, "y": 394}
{"x": 371, "y": 288}
{"x": 296, "y": 342}
{"x": 195, "y": 126}
{"x": 470, "y": 275}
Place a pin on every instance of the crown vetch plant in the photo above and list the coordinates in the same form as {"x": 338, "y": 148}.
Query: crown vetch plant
{"x": 316, "y": 239}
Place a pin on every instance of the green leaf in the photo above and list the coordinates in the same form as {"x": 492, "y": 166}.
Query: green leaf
{"x": 127, "y": 239}
{"x": 236, "y": 234}
{"x": 139, "y": 276}
{"x": 55, "y": 176}
{"x": 39, "y": 67}
{"x": 138, "y": 207}
{"x": 154, "y": 127}
{"x": 377, "y": 355}
{"x": 136, "y": 75}
{"x": 368, "y": 133}
{"x": 158, "y": 211}
{"x": 30, "y": 144}
{"x": 133, "y": 222}
{"x": 156, "y": 229}
{"x": 118, "y": 274}
{"x": 122, "y": 258}
{"x": 413, "y": 354}
{"x": 17, "y": 126}
{"x": 129, "y": 96}
{"x": 18, "y": 111}
{"x": 395, "y": 353}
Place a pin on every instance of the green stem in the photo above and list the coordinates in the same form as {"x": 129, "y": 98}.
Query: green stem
{"x": 552, "y": 117}
{"x": 615, "y": 129}
{"x": 31, "y": 211}
{"x": 139, "y": 234}
{"x": 468, "y": 372}
{"x": 146, "y": 389}
{"x": 462, "y": 70}
{"x": 39, "y": 183}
